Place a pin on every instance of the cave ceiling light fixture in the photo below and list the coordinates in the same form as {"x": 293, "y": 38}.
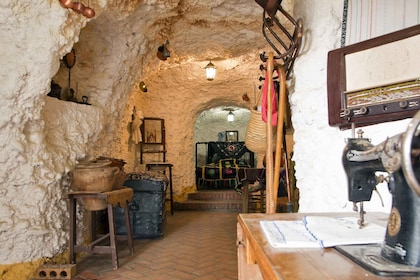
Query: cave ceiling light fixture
{"x": 230, "y": 115}
{"x": 142, "y": 86}
{"x": 210, "y": 71}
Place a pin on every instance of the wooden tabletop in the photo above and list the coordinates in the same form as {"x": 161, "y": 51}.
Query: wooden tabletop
{"x": 115, "y": 197}
{"x": 297, "y": 263}
{"x": 164, "y": 164}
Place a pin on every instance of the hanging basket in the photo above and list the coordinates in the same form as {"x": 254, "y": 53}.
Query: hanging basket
{"x": 256, "y": 133}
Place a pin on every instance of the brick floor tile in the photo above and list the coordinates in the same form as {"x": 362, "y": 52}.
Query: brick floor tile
{"x": 196, "y": 245}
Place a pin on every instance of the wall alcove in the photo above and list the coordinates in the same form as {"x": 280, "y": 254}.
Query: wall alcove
{"x": 214, "y": 127}
{"x": 210, "y": 123}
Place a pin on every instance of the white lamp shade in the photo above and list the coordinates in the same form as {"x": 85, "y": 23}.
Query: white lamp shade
{"x": 210, "y": 71}
{"x": 230, "y": 117}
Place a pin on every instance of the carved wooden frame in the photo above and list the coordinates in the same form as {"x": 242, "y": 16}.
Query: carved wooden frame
{"x": 338, "y": 113}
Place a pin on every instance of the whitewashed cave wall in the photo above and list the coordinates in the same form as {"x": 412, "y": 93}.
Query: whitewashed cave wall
{"x": 318, "y": 147}
{"x": 34, "y": 35}
{"x": 42, "y": 138}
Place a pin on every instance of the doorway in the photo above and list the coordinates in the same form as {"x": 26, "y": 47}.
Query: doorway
{"x": 220, "y": 151}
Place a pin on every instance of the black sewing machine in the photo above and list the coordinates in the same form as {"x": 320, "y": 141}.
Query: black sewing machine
{"x": 399, "y": 156}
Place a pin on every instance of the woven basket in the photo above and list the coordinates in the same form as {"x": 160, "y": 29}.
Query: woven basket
{"x": 256, "y": 133}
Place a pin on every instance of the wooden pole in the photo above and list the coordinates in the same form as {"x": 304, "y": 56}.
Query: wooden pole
{"x": 270, "y": 207}
{"x": 280, "y": 139}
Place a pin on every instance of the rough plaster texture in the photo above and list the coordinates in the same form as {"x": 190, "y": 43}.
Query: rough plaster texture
{"x": 318, "y": 147}
{"x": 41, "y": 139}
{"x": 35, "y": 34}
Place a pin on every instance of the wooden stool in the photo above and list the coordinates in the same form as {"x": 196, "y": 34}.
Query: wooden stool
{"x": 113, "y": 198}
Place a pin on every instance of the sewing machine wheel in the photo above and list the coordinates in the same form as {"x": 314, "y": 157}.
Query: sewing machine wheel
{"x": 411, "y": 154}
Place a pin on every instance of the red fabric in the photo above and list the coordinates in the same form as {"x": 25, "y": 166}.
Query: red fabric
{"x": 264, "y": 103}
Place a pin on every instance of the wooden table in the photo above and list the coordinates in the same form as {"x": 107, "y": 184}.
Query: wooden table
{"x": 258, "y": 260}
{"x": 112, "y": 199}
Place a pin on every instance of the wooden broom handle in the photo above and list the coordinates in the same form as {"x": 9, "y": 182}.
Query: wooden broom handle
{"x": 272, "y": 182}
{"x": 270, "y": 199}
{"x": 280, "y": 139}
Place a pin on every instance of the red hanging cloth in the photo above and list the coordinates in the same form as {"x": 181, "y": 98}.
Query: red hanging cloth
{"x": 264, "y": 103}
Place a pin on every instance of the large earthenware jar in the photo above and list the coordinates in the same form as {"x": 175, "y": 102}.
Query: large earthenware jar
{"x": 95, "y": 176}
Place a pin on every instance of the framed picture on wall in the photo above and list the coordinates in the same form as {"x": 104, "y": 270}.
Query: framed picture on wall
{"x": 231, "y": 136}
{"x": 153, "y": 131}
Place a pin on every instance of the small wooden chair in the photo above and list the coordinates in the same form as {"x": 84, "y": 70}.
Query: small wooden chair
{"x": 255, "y": 199}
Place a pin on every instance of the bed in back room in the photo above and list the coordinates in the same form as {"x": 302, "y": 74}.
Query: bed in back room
{"x": 219, "y": 165}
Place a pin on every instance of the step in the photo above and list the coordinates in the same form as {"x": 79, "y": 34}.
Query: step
{"x": 209, "y": 205}
{"x": 215, "y": 195}
{"x": 211, "y": 200}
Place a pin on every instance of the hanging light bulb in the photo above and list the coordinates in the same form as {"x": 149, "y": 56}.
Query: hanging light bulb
{"x": 210, "y": 71}
{"x": 230, "y": 116}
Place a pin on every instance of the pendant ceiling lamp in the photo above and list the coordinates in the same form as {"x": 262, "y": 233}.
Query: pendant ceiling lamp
{"x": 230, "y": 116}
{"x": 143, "y": 86}
{"x": 210, "y": 71}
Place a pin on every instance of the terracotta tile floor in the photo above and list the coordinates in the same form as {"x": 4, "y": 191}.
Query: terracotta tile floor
{"x": 196, "y": 245}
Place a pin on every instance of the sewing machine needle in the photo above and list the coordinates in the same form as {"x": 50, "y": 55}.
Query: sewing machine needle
{"x": 361, "y": 220}
{"x": 355, "y": 208}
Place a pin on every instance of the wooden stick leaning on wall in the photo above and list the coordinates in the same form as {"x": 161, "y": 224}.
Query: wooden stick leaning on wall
{"x": 280, "y": 135}
{"x": 272, "y": 182}
{"x": 270, "y": 198}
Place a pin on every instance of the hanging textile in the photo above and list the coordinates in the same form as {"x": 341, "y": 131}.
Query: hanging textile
{"x": 135, "y": 126}
{"x": 264, "y": 101}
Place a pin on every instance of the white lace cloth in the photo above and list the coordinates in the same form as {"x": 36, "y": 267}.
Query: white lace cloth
{"x": 321, "y": 232}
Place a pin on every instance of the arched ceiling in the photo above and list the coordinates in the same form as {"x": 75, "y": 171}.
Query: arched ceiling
{"x": 117, "y": 49}
{"x": 226, "y": 32}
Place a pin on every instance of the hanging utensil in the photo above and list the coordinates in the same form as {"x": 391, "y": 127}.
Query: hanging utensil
{"x": 69, "y": 61}
{"x": 89, "y": 12}
{"x": 67, "y": 3}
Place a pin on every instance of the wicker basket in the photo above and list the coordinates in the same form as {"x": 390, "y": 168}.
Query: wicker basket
{"x": 256, "y": 133}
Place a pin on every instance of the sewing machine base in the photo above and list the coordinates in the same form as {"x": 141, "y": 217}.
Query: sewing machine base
{"x": 369, "y": 257}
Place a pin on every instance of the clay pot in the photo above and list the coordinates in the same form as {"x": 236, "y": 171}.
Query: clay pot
{"x": 96, "y": 176}
{"x": 67, "y": 3}
{"x": 70, "y": 59}
{"x": 89, "y": 12}
{"x": 78, "y": 7}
